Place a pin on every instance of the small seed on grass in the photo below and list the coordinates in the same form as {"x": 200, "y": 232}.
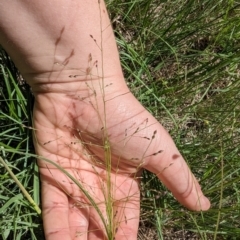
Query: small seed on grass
{"x": 136, "y": 130}
{"x": 154, "y": 154}
{"x": 146, "y": 138}
{"x": 134, "y": 159}
{"x": 115, "y": 214}
{"x": 125, "y": 219}
{"x": 90, "y": 57}
{"x": 154, "y": 133}
{"x": 108, "y": 85}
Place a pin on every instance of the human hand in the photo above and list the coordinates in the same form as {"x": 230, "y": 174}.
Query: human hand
{"x": 103, "y": 142}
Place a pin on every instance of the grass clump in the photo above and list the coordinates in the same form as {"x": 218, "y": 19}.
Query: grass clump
{"x": 181, "y": 60}
{"x": 18, "y": 217}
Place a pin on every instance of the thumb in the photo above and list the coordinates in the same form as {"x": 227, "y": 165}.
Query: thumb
{"x": 173, "y": 171}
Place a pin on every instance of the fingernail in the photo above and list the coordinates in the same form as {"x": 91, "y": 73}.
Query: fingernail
{"x": 205, "y": 203}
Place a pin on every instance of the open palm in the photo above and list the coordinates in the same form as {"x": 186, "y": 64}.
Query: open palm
{"x": 103, "y": 142}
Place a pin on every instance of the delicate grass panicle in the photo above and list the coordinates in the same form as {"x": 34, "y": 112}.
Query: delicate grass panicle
{"x": 182, "y": 63}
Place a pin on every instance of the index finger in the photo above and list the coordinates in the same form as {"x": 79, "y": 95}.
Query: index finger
{"x": 173, "y": 171}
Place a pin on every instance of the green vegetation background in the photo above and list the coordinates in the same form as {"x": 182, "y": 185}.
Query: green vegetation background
{"x": 181, "y": 60}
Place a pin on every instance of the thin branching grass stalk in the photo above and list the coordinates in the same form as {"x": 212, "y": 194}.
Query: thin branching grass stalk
{"x": 107, "y": 150}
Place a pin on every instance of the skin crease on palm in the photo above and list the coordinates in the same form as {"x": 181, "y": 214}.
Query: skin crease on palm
{"x": 67, "y": 53}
